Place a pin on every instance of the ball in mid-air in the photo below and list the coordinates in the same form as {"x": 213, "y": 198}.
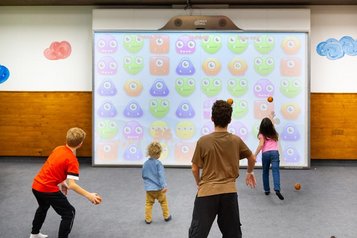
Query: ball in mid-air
{"x": 270, "y": 99}
{"x": 230, "y": 101}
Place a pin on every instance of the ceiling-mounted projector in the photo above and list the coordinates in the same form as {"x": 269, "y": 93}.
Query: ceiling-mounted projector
{"x": 200, "y": 23}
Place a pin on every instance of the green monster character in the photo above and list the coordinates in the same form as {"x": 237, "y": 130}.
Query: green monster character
{"x": 133, "y": 64}
{"x": 264, "y": 66}
{"x": 133, "y": 43}
{"x": 237, "y": 44}
{"x": 159, "y": 107}
{"x": 185, "y": 86}
{"x": 211, "y": 86}
{"x": 290, "y": 87}
{"x": 264, "y": 44}
{"x": 237, "y": 86}
{"x": 185, "y": 130}
{"x": 107, "y": 129}
{"x": 211, "y": 43}
{"x": 240, "y": 109}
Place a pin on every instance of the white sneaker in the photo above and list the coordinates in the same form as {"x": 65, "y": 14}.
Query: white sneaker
{"x": 39, "y": 235}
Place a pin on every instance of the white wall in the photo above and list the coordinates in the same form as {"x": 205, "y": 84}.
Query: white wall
{"x": 25, "y": 32}
{"x": 333, "y": 76}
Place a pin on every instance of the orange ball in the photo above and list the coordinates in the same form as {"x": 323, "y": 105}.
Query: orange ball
{"x": 230, "y": 101}
{"x": 297, "y": 186}
{"x": 270, "y": 99}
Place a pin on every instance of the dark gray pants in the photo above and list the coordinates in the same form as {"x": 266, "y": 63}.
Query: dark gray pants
{"x": 205, "y": 210}
{"x": 60, "y": 204}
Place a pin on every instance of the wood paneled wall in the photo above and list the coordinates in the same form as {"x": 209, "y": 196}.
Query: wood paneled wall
{"x": 32, "y": 123}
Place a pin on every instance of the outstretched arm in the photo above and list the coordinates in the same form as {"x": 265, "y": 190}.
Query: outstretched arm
{"x": 92, "y": 197}
{"x": 250, "y": 178}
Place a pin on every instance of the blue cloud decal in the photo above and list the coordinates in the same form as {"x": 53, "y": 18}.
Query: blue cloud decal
{"x": 4, "y": 73}
{"x": 335, "y": 49}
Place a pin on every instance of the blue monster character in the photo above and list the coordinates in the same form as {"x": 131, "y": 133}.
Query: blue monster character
{"x": 4, "y": 73}
{"x": 185, "y": 67}
{"x": 159, "y": 89}
{"x": 185, "y": 110}
{"x": 290, "y": 132}
{"x": 107, "y": 88}
{"x": 133, "y": 153}
{"x": 107, "y": 109}
{"x": 291, "y": 154}
{"x": 133, "y": 110}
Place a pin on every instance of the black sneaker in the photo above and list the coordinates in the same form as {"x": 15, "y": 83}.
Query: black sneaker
{"x": 168, "y": 219}
{"x": 280, "y": 196}
{"x": 267, "y": 193}
{"x": 147, "y": 222}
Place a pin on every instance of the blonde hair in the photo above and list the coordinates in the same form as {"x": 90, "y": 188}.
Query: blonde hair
{"x": 75, "y": 136}
{"x": 154, "y": 150}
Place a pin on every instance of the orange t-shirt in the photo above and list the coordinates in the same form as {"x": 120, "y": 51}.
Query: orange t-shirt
{"x": 59, "y": 166}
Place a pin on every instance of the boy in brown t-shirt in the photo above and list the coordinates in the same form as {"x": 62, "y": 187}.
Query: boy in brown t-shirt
{"x": 218, "y": 155}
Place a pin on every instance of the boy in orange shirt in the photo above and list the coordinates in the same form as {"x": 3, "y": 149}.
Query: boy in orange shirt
{"x": 60, "y": 166}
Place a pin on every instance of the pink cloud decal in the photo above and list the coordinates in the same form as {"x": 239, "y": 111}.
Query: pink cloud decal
{"x": 58, "y": 50}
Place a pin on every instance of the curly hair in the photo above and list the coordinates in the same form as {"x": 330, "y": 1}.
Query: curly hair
{"x": 154, "y": 150}
{"x": 221, "y": 113}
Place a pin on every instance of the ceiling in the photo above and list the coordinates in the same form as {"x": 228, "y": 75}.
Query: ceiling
{"x": 176, "y": 3}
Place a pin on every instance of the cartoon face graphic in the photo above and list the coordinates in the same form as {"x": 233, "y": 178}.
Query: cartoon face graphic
{"x": 237, "y": 67}
{"x": 107, "y": 109}
{"x": 159, "y": 89}
{"x": 133, "y": 64}
{"x": 290, "y": 67}
{"x": 237, "y": 86}
{"x": 159, "y": 65}
{"x": 133, "y": 87}
{"x": 185, "y": 86}
{"x": 133, "y": 110}
{"x": 185, "y": 45}
{"x": 264, "y": 66}
{"x": 185, "y": 110}
{"x": 211, "y": 86}
{"x": 107, "y": 44}
{"x": 107, "y": 151}
{"x": 211, "y": 66}
{"x": 291, "y": 45}
{"x": 133, "y": 153}
{"x": 207, "y": 107}
{"x": 207, "y": 128}
{"x": 159, "y": 44}
{"x": 263, "y": 88}
{"x": 291, "y": 155}
{"x": 264, "y": 44}
{"x": 107, "y": 129}
{"x": 237, "y": 44}
{"x": 290, "y": 132}
{"x": 290, "y": 87}
{"x": 107, "y": 88}
{"x": 184, "y": 152}
{"x": 262, "y": 108}
{"x": 159, "y": 130}
{"x": 239, "y": 129}
{"x": 133, "y": 43}
{"x": 159, "y": 107}
{"x": 185, "y": 67}
{"x": 211, "y": 43}
{"x": 132, "y": 130}
{"x": 290, "y": 111}
{"x": 240, "y": 109}
{"x": 107, "y": 66}
{"x": 185, "y": 130}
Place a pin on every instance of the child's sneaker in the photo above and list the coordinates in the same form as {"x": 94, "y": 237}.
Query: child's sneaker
{"x": 279, "y": 195}
{"x": 168, "y": 219}
{"x": 39, "y": 235}
{"x": 147, "y": 222}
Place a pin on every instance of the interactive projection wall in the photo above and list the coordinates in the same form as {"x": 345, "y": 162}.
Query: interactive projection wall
{"x": 160, "y": 86}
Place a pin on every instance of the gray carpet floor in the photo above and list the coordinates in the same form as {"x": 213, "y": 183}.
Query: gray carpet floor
{"x": 325, "y": 206}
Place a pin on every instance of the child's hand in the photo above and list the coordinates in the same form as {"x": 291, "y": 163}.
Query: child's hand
{"x": 95, "y": 198}
{"x": 250, "y": 180}
{"x": 164, "y": 190}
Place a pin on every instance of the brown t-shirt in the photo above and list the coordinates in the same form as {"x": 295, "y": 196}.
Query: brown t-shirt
{"x": 218, "y": 155}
